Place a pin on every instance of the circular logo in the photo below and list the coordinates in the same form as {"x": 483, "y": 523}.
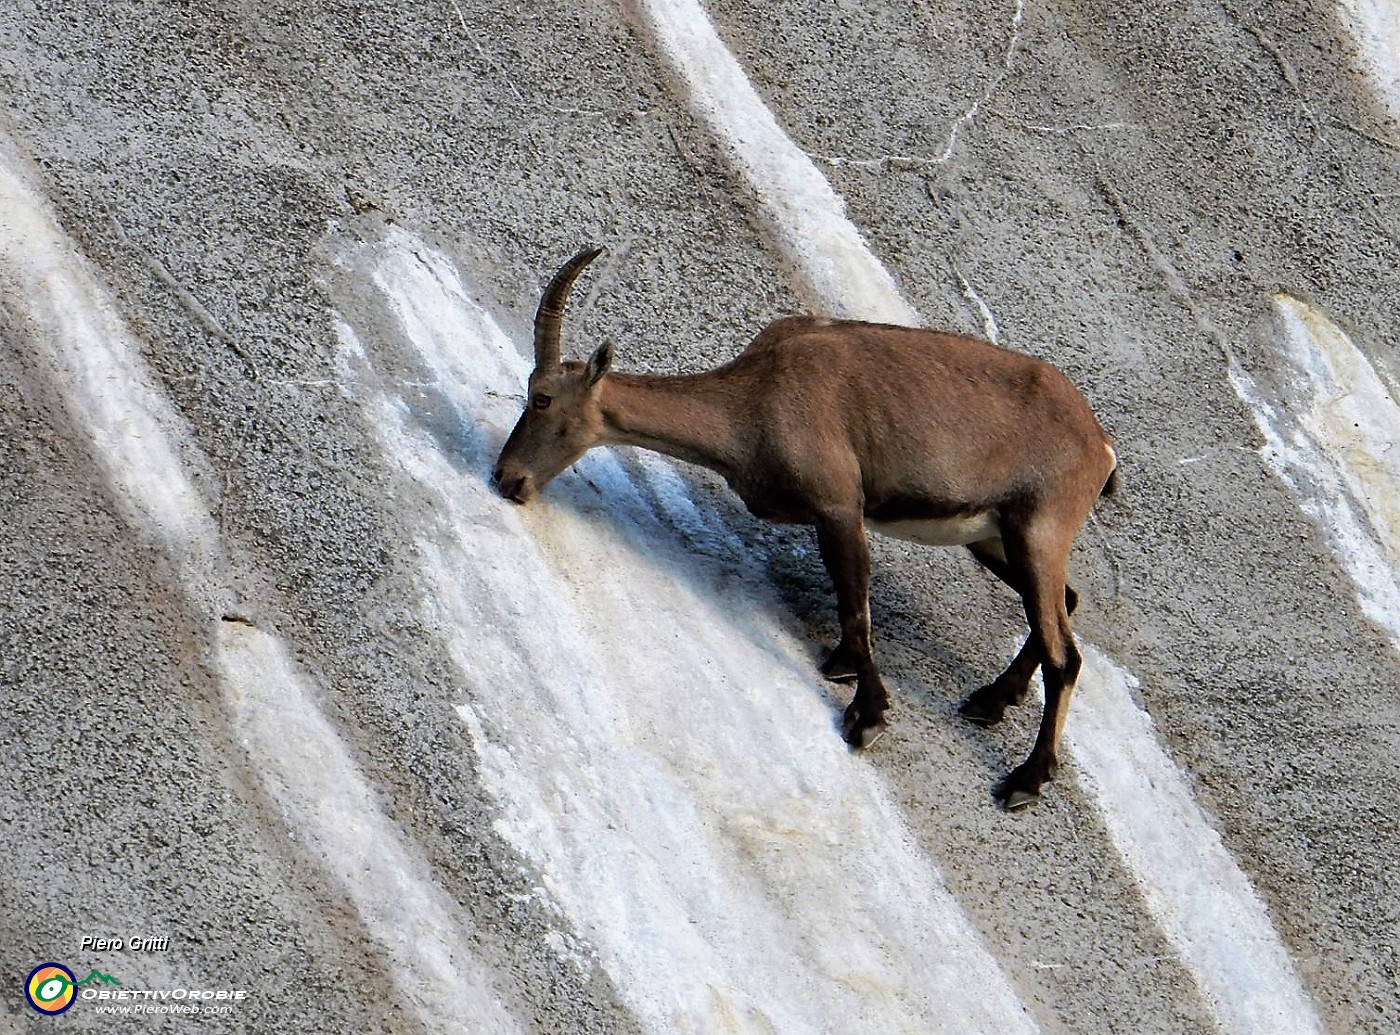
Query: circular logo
{"x": 50, "y": 988}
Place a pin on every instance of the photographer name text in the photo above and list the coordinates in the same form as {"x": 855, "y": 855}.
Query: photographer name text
{"x": 127, "y": 944}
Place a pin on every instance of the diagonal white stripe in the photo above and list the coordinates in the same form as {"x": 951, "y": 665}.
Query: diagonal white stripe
{"x": 1209, "y": 910}
{"x": 808, "y": 216}
{"x": 300, "y": 758}
{"x": 1333, "y": 436}
{"x": 1190, "y": 882}
{"x": 1375, "y": 26}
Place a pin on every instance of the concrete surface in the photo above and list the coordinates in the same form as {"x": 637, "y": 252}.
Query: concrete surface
{"x": 1121, "y": 189}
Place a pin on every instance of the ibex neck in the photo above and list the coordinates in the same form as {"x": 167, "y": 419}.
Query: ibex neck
{"x": 690, "y": 418}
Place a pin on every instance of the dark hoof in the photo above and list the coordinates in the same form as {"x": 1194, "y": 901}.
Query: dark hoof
{"x": 984, "y": 707}
{"x": 1018, "y": 800}
{"x": 1022, "y": 787}
{"x": 866, "y": 736}
{"x": 840, "y": 667}
{"x": 860, "y": 732}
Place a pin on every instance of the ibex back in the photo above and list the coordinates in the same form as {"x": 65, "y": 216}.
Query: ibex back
{"x": 936, "y": 438}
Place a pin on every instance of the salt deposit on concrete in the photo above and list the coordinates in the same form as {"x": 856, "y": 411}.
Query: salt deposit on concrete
{"x": 301, "y": 759}
{"x": 1333, "y": 435}
{"x": 1193, "y": 886}
{"x": 1375, "y": 26}
{"x": 808, "y": 216}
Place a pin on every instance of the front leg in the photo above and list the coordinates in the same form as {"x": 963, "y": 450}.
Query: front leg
{"x": 846, "y": 554}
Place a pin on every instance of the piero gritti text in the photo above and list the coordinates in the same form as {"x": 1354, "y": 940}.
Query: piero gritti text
{"x": 125, "y": 944}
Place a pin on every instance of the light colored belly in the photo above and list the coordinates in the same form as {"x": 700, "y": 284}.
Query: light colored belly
{"x": 946, "y": 532}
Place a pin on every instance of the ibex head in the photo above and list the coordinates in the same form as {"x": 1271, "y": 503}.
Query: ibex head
{"x": 562, "y": 418}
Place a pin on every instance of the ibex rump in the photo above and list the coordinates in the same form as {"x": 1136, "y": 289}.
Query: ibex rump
{"x": 935, "y": 438}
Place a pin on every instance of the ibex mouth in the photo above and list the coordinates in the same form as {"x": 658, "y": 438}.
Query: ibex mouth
{"x": 516, "y": 489}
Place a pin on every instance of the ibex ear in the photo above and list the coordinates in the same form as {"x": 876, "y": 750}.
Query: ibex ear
{"x": 600, "y": 362}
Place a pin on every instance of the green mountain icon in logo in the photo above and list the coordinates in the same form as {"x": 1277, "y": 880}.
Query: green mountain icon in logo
{"x": 97, "y": 975}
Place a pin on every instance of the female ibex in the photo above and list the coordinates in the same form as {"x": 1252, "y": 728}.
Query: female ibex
{"x": 931, "y": 437}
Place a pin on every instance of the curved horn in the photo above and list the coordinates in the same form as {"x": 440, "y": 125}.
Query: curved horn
{"x": 550, "y": 314}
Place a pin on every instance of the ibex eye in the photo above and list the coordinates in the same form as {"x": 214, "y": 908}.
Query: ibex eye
{"x": 541, "y": 401}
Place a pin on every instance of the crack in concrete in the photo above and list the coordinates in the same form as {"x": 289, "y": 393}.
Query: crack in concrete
{"x": 1370, "y": 135}
{"x": 1287, "y": 71}
{"x": 1172, "y": 277}
{"x": 909, "y": 163}
{"x": 989, "y": 322}
{"x": 1017, "y": 20}
{"x": 186, "y": 298}
{"x": 1059, "y": 131}
{"x": 1285, "y": 67}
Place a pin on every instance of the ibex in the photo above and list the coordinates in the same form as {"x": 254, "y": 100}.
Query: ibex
{"x": 932, "y": 437}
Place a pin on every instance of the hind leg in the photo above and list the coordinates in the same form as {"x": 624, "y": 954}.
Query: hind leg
{"x": 987, "y": 705}
{"x": 1038, "y": 558}
{"x": 842, "y": 665}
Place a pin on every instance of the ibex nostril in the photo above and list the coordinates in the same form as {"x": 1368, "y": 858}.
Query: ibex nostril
{"x": 512, "y": 489}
